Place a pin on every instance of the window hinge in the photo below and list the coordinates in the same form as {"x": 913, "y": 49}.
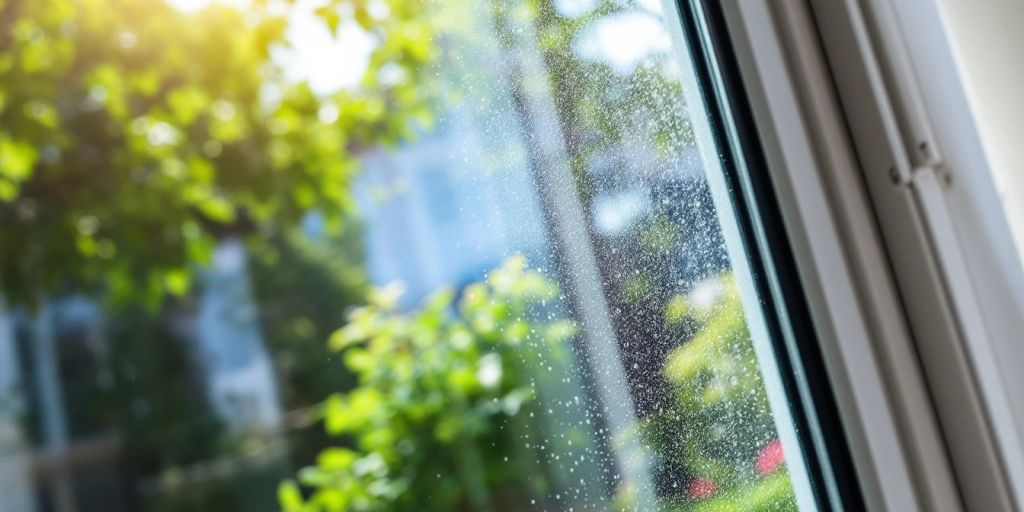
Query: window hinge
{"x": 907, "y": 176}
{"x": 920, "y": 152}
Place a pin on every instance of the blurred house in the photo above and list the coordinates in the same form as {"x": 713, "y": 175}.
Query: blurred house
{"x": 58, "y": 450}
{"x": 448, "y": 207}
{"x": 238, "y": 371}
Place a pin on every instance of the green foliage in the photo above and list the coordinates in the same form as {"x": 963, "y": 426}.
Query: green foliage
{"x": 595, "y": 104}
{"x": 133, "y": 135}
{"x": 158, "y": 409}
{"x": 428, "y": 427}
{"x": 720, "y": 420}
{"x": 152, "y": 402}
{"x": 303, "y": 286}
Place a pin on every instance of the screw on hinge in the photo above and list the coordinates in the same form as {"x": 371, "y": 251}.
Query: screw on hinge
{"x": 944, "y": 175}
{"x": 894, "y": 175}
{"x": 926, "y": 151}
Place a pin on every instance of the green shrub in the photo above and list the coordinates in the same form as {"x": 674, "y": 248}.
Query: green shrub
{"x": 428, "y": 426}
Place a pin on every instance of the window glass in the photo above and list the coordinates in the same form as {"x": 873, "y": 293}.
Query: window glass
{"x": 374, "y": 255}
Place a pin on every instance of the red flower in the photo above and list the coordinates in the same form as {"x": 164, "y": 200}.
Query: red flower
{"x": 770, "y": 458}
{"x": 702, "y": 488}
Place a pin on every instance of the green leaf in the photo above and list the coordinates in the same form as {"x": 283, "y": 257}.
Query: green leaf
{"x": 289, "y": 497}
{"x": 334, "y": 458}
{"x": 177, "y": 281}
{"x": 17, "y": 159}
{"x": 676, "y": 310}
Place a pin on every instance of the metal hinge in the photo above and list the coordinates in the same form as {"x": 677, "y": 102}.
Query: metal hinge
{"x": 907, "y": 177}
{"x": 920, "y": 150}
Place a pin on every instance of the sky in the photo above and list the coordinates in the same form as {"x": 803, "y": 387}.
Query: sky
{"x": 330, "y": 63}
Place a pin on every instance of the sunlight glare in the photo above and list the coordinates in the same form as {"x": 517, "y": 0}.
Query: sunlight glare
{"x": 328, "y": 62}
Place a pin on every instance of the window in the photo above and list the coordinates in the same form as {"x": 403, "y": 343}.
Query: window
{"x": 507, "y": 267}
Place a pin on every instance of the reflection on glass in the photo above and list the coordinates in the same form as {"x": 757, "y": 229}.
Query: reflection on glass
{"x": 531, "y": 299}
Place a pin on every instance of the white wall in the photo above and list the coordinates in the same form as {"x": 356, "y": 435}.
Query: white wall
{"x": 988, "y": 40}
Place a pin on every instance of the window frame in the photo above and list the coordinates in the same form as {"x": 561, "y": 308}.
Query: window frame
{"x": 877, "y": 150}
{"x": 971, "y": 233}
{"x": 884, "y": 400}
{"x": 796, "y": 354}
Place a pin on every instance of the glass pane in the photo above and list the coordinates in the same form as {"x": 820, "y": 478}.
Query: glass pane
{"x": 373, "y": 255}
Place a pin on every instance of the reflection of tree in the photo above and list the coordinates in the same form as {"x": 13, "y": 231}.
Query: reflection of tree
{"x": 719, "y": 423}
{"x": 417, "y": 431}
{"x": 600, "y": 109}
{"x": 625, "y": 133}
{"x": 622, "y": 132}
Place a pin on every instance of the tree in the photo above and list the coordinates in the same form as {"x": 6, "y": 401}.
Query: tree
{"x": 134, "y": 135}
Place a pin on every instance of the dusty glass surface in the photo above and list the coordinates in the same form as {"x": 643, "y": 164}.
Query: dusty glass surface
{"x": 495, "y": 274}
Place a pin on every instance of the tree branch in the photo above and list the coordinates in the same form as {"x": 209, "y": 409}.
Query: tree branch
{"x": 8, "y": 15}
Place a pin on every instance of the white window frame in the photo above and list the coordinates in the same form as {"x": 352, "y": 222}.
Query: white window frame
{"x": 906, "y": 257}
